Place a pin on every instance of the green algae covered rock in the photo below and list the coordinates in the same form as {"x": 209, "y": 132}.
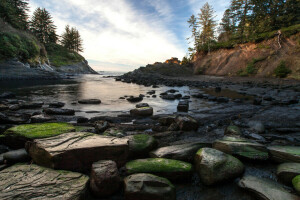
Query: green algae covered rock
{"x": 17, "y": 136}
{"x": 148, "y": 186}
{"x": 214, "y": 166}
{"x": 296, "y": 183}
{"x": 23, "y": 181}
{"x": 140, "y": 145}
{"x": 171, "y": 169}
{"x": 285, "y": 153}
{"x": 242, "y": 148}
{"x": 287, "y": 171}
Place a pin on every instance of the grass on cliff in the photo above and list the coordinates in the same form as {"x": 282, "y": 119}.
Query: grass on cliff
{"x": 167, "y": 69}
{"x": 61, "y": 56}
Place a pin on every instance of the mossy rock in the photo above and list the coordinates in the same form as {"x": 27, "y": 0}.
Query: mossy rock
{"x": 242, "y": 148}
{"x": 84, "y": 129}
{"x": 168, "y": 168}
{"x": 114, "y": 132}
{"x": 233, "y": 130}
{"x": 17, "y": 136}
{"x": 140, "y": 145}
{"x": 285, "y": 153}
{"x": 296, "y": 183}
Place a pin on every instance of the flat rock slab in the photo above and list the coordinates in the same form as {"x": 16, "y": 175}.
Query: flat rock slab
{"x": 59, "y": 111}
{"x": 77, "y": 151}
{"x": 285, "y": 153}
{"x": 35, "y": 182}
{"x": 266, "y": 189}
{"x": 287, "y": 171}
{"x": 242, "y": 148}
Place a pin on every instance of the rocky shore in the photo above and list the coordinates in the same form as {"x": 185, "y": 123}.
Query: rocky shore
{"x": 237, "y": 148}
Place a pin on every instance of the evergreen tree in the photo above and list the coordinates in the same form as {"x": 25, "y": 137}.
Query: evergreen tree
{"x": 71, "y": 39}
{"x": 42, "y": 26}
{"x": 193, "y": 24}
{"x": 227, "y": 26}
{"x": 291, "y": 12}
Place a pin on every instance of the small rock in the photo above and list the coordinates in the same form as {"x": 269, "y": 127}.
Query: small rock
{"x": 183, "y": 106}
{"x": 7, "y": 95}
{"x": 15, "y": 107}
{"x": 141, "y": 105}
{"x": 32, "y": 105}
{"x": 82, "y": 120}
{"x": 257, "y": 101}
{"x": 141, "y": 145}
{"x": 167, "y": 121}
{"x": 114, "y": 132}
{"x": 257, "y": 126}
{"x": 3, "y": 107}
{"x": 233, "y": 130}
{"x": 222, "y": 100}
{"x": 187, "y": 123}
{"x": 135, "y": 99}
{"x": 143, "y": 112}
{"x": 56, "y": 105}
{"x": 89, "y": 101}
{"x": 59, "y": 111}
{"x": 16, "y": 156}
{"x": 41, "y": 118}
{"x": 168, "y": 97}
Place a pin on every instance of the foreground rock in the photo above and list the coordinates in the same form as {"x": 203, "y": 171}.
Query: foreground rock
{"x": 242, "y": 148}
{"x": 105, "y": 179}
{"x": 35, "y": 182}
{"x": 266, "y": 189}
{"x": 148, "y": 186}
{"x": 77, "y": 151}
{"x": 296, "y": 184}
{"x": 16, "y": 156}
{"x": 89, "y": 101}
{"x": 285, "y": 153}
{"x": 16, "y": 137}
{"x": 59, "y": 111}
{"x": 171, "y": 169}
{"x": 214, "y": 166}
{"x": 287, "y": 171}
{"x": 184, "y": 152}
{"x": 143, "y": 112}
{"x": 141, "y": 145}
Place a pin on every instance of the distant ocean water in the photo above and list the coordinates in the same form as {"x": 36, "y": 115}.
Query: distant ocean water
{"x": 111, "y": 73}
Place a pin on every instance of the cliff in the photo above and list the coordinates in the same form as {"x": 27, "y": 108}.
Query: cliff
{"x": 252, "y": 59}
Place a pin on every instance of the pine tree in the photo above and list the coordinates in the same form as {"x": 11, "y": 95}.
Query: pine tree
{"x": 227, "y": 26}
{"x": 71, "y": 39}
{"x": 193, "y": 24}
{"x": 43, "y": 27}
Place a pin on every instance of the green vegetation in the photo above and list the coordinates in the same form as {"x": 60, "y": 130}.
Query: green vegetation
{"x": 281, "y": 70}
{"x": 142, "y": 142}
{"x": 35, "y": 131}
{"x": 250, "y": 69}
{"x": 71, "y": 39}
{"x": 167, "y": 69}
{"x": 296, "y": 183}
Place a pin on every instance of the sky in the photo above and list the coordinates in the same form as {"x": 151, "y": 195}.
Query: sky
{"x": 122, "y": 35}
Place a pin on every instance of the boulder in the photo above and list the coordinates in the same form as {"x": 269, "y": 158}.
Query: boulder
{"x": 187, "y": 123}
{"x": 242, "y": 148}
{"x": 17, "y": 136}
{"x": 34, "y": 182}
{"x": 101, "y": 126}
{"x": 171, "y": 169}
{"x": 56, "y": 105}
{"x": 77, "y": 151}
{"x": 183, "y": 106}
{"x": 143, "y": 112}
{"x": 140, "y": 145}
{"x": 214, "y": 166}
{"x": 141, "y": 105}
{"x": 287, "y": 171}
{"x": 233, "y": 130}
{"x": 265, "y": 189}
{"x": 32, "y": 105}
{"x": 296, "y": 184}
{"x": 285, "y": 153}
{"x": 59, "y": 111}
{"x": 105, "y": 178}
{"x": 89, "y": 101}
{"x": 41, "y": 118}
{"x": 135, "y": 99}
{"x": 16, "y": 156}
{"x": 148, "y": 187}
{"x": 184, "y": 152}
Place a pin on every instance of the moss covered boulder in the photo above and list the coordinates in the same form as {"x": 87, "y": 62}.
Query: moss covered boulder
{"x": 171, "y": 169}
{"x": 147, "y": 186}
{"x": 17, "y": 136}
{"x": 287, "y": 171}
{"x": 242, "y": 148}
{"x": 140, "y": 145}
{"x": 285, "y": 153}
{"x": 214, "y": 166}
{"x": 296, "y": 184}
{"x": 143, "y": 111}
{"x": 34, "y": 182}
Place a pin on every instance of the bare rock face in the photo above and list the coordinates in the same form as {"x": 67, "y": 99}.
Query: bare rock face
{"x": 77, "y": 151}
{"x": 105, "y": 179}
{"x": 34, "y": 182}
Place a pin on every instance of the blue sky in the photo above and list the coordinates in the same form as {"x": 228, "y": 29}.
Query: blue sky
{"x": 121, "y": 35}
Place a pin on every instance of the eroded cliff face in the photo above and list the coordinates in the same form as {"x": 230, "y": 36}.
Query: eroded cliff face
{"x": 264, "y": 57}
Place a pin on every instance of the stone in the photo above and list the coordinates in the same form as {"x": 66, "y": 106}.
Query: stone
{"x": 101, "y": 126}
{"x": 222, "y": 100}
{"x": 56, "y": 105}
{"x": 135, "y": 99}
{"x": 89, "y": 101}
{"x": 3, "y": 107}
{"x": 22, "y": 181}
{"x": 141, "y": 105}
{"x": 14, "y": 118}
{"x": 214, "y": 166}
{"x": 85, "y": 129}
{"x": 183, "y": 152}
{"x": 167, "y": 120}
{"x": 32, "y": 105}
{"x": 3, "y": 149}
{"x": 41, "y": 118}
{"x": 168, "y": 168}
{"x": 105, "y": 179}
{"x": 242, "y": 148}
{"x": 148, "y": 187}
{"x": 257, "y": 126}
{"x": 187, "y": 123}
{"x": 82, "y": 120}
{"x": 114, "y": 132}
{"x": 257, "y": 101}
{"x": 59, "y": 111}
{"x": 143, "y": 112}
{"x": 285, "y": 153}
{"x": 296, "y": 184}
{"x": 287, "y": 171}
{"x": 77, "y": 151}
{"x": 15, "y": 107}
{"x": 233, "y": 130}
{"x": 16, "y": 156}
{"x": 7, "y": 95}
{"x": 265, "y": 189}
{"x": 140, "y": 145}
{"x": 183, "y": 106}
{"x": 168, "y": 97}
{"x": 17, "y": 136}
